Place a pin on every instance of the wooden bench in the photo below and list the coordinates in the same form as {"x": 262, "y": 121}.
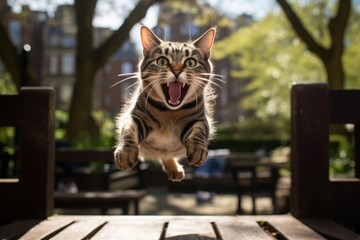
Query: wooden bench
{"x": 27, "y": 202}
{"x": 110, "y": 191}
{"x": 255, "y": 183}
{"x": 316, "y": 199}
{"x": 244, "y": 174}
{"x": 30, "y": 195}
{"x": 102, "y": 200}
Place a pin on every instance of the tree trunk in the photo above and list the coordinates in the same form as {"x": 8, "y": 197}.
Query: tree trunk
{"x": 335, "y": 72}
{"x": 81, "y": 123}
{"x": 331, "y": 57}
{"x": 89, "y": 61}
{"x": 14, "y": 62}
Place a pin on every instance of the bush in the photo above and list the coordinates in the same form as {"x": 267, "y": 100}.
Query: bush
{"x": 341, "y": 156}
{"x": 248, "y": 145}
{"x": 106, "y": 138}
{"x": 254, "y": 128}
{"x": 252, "y": 135}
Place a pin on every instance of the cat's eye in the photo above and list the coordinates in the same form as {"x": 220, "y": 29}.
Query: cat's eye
{"x": 162, "y": 61}
{"x": 190, "y": 62}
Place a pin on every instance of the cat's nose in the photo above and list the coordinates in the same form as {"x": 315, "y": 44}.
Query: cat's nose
{"x": 176, "y": 73}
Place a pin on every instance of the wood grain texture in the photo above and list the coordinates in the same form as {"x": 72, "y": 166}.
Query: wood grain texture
{"x": 241, "y": 229}
{"x": 190, "y": 229}
{"x": 32, "y": 113}
{"x": 129, "y": 229}
{"x": 313, "y": 194}
{"x": 165, "y": 227}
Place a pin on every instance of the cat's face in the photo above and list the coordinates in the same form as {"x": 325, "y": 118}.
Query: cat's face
{"x": 175, "y": 73}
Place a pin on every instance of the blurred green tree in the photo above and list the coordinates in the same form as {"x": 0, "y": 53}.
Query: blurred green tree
{"x": 89, "y": 59}
{"x": 269, "y": 56}
{"x": 336, "y": 21}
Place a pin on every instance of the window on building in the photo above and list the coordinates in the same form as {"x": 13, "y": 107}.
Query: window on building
{"x": 68, "y": 41}
{"x": 68, "y": 64}
{"x": 53, "y": 40}
{"x": 53, "y": 65}
{"x": 15, "y": 31}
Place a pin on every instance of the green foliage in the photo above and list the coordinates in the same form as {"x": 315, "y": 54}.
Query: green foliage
{"x": 254, "y": 128}
{"x": 106, "y": 138}
{"x": 262, "y": 146}
{"x": 251, "y": 135}
{"x": 352, "y": 49}
{"x": 341, "y": 156}
{"x": 6, "y": 85}
{"x": 268, "y": 53}
{"x": 204, "y": 14}
{"x": 268, "y": 57}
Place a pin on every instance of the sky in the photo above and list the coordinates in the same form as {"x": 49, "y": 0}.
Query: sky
{"x": 110, "y": 15}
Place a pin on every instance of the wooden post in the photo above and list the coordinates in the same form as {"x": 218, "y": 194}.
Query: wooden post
{"x": 32, "y": 113}
{"x": 310, "y": 150}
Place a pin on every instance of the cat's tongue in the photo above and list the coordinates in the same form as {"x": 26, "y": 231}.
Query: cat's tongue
{"x": 174, "y": 92}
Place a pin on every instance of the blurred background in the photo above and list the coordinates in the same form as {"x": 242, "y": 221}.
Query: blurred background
{"x": 261, "y": 48}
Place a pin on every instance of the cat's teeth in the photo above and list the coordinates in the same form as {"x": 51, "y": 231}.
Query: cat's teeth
{"x": 183, "y": 85}
{"x": 168, "y": 84}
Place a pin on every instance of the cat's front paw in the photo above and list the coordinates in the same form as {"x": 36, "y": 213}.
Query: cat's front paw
{"x": 196, "y": 153}
{"x": 176, "y": 176}
{"x": 126, "y": 157}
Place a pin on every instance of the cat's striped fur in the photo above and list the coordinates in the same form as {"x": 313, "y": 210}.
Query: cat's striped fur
{"x": 169, "y": 116}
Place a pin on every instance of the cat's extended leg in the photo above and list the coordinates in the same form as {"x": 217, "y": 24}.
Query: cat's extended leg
{"x": 174, "y": 170}
{"x": 196, "y": 143}
{"x": 127, "y": 150}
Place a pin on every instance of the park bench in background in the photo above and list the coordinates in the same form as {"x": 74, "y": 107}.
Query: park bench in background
{"x": 256, "y": 177}
{"x": 317, "y": 200}
{"x": 103, "y": 190}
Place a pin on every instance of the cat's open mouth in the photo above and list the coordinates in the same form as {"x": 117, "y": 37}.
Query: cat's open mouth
{"x": 175, "y": 92}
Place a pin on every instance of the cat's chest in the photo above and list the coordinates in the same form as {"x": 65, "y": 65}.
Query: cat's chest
{"x": 163, "y": 139}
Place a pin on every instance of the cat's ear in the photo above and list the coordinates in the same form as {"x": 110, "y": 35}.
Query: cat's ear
{"x": 206, "y": 41}
{"x": 148, "y": 39}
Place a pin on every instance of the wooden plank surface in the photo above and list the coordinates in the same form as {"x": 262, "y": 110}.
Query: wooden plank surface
{"x": 167, "y": 227}
{"x": 80, "y": 230}
{"x": 47, "y": 228}
{"x": 187, "y": 229}
{"x": 292, "y": 228}
{"x": 247, "y": 229}
{"x": 16, "y": 229}
{"x": 331, "y": 229}
{"x": 130, "y": 230}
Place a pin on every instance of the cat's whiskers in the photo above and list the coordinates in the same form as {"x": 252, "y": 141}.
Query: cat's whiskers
{"x": 213, "y": 75}
{"x": 147, "y": 97}
{"x": 127, "y": 74}
{"x": 216, "y": 77}
{"x": 208, "y": 81}
{"x": 132, "y": 85}
{"x": 149, "y": 84}
{"x": 196, "y": 86}
{"x": 126, "y": 79}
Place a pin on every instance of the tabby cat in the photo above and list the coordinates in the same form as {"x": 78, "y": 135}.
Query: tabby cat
{"x": 169, "y": 116}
